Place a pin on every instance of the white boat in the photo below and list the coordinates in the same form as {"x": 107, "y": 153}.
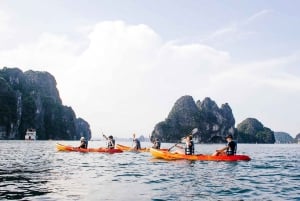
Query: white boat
{"x": 30, "y": 134}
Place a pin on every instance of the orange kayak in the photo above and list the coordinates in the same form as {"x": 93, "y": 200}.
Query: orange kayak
{"x": 61, "y": 147}
{"x": 163, "y": 154}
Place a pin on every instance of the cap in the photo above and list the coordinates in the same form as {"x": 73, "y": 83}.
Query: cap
{"x": 110, "y": 137}
{"x": 82, "y": 138}
{"x": 229, "y": 136}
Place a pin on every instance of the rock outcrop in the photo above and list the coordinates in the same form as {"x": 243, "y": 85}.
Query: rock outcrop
{"x": 252, "y": 131}
{"x": 283, "y": 138}
{"x": 31, "y": 100}
{"x": 213, "y": 123}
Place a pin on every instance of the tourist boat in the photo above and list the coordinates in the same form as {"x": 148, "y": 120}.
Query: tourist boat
{"x": 61, "y": 147}
{"x": 163, "y": 154}
{"x": 30, "y": 134}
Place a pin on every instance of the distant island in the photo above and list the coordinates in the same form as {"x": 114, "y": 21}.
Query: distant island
{"x": 213, "y": 124}
{"x": 30, "y": 100}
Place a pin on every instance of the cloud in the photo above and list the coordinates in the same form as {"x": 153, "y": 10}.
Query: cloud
{"x": 258, "y": 15}
{"x": 125, "y": 78}
{"x": 236, "y": 30}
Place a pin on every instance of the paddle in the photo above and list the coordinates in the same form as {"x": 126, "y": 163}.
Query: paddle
{"x": 104, "y": 136}
{"x": 195, "y": 130}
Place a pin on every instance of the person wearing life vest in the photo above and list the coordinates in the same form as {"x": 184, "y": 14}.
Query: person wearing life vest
{"x": 156, "y": 144}
{"x": 229, "y": 149}
{"x": 111, "y": 142}
{"x": 189, "y": 148}
{"x": 83, "y": 143}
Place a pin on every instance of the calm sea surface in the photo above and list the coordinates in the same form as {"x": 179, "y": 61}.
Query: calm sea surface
{"x": 36, "y": 171}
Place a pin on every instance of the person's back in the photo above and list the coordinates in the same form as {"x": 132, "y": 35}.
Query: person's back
{"x": 137, "y": 144}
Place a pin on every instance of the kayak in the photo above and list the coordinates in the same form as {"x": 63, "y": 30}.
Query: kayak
{"x": 127, "y": 148}
{"x": 162, "y": 154}
{"x": 61, "y": 147}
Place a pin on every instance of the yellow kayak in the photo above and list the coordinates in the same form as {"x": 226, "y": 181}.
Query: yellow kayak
{"x": 127, "y": 148}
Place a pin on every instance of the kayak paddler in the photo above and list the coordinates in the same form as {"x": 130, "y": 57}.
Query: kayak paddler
{"x": 83, "y": 143}
{"x": 188, "y": 148}
{"x": 136, "y": 143}
{"x": 229, "y": 149}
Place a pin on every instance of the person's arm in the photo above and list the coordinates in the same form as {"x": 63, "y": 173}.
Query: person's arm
{"x": 178, "y": 146}
{"x": 222, "y": 150}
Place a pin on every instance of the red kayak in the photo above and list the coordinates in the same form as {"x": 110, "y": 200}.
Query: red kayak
{"x": 61, "y": 147}
{"x": 176, "y": 156}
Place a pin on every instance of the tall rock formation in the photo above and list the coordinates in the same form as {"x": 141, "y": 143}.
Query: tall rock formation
{"x": 213, "y": 123}
{"x": 252, "y": 131}
{"x": 31, "y": 100}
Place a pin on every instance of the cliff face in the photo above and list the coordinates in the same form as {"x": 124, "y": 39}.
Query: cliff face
{"x": 31, "y": 100}
{"x": 213, "y": 123}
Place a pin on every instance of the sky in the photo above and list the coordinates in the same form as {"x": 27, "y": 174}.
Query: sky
{"x": 121, "y": 65}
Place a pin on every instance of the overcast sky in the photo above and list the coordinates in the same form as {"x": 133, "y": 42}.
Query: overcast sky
{"x": 121, "y": 65}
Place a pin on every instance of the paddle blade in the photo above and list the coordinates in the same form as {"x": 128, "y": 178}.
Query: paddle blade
{"x": 195, "y": 130}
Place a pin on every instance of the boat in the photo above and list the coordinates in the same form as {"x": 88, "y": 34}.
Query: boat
{"x": 30, "y": 134}
{"x": 166, "y": 155}
{"x": 127, "y": 148}
{"x": 61, "y": 147}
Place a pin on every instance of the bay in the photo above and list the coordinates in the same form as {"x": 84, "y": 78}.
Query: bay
{"x": 35, "y": 170}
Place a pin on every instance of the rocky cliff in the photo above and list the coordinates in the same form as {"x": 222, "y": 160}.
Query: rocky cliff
{"x": 213, "y": 123}
{"x": 283, "y": 138}
{"x": 31, "y": 100}
{"x": 252, "y": 131}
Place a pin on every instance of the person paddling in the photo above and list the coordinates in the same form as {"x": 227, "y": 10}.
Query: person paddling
{"x": 136, "y": 143}
{"x": 229, "y": 149}
{"x": 111, "y": 142}
{"x": 189, "y": 146}
{"x": 156, "y": 144}
{"x": 83, "y": 143}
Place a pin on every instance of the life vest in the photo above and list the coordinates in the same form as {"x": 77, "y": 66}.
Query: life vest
{"x": 84, "y": 144}
{"x": 189, "y": 149}
{"x": 111, "y": 144}
{"x": 156, "y": 145}
{"x": 231, "y": 150}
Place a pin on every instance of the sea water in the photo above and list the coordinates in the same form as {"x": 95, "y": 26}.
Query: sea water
{"x": 35, "y": 170}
